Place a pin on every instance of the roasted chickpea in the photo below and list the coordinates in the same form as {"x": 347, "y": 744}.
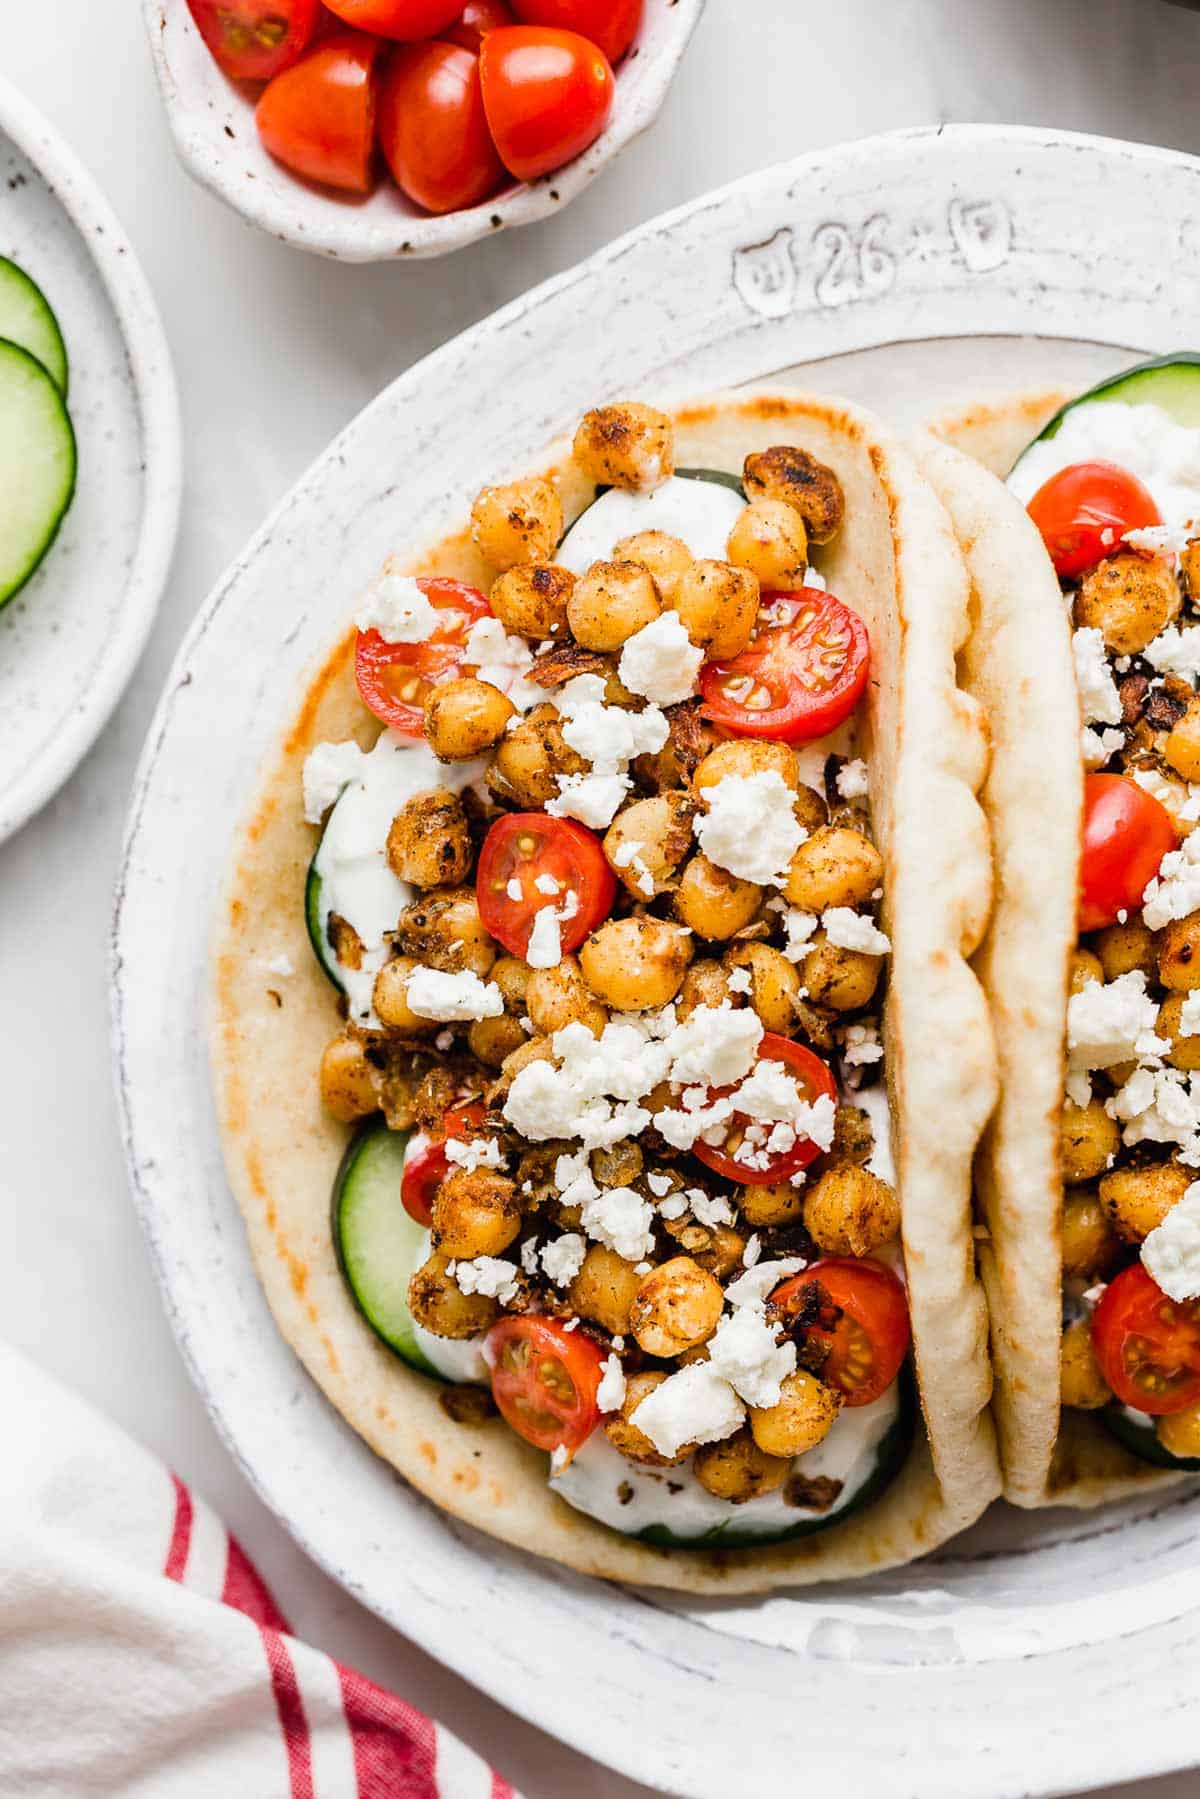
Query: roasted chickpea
{"x": 646, "y": 843}
{"x": 437, "y": 1302}
{"x": 429, "y": 842}
{"x": 762, "y": 1207}
{"x": 626, "y": 445}
{"x": 747, "y": 756}
{"x": 774, "y": 984}
{"x": 1090, "y": 1140}
{"x": 676, "y": 1307}
{"x": 476, "y": 1212}
{"x": 626, "y": 1436}
{"x": 534, "y": 1049}
{"x": 791, "y": 474}
{"x": 705, "y": 984}
{"x": 666, "y": 558}
{"x": 718, "y": 604}
{"x": 714, "y": 903}
{"x": 511, "y": 975}
{"x": 530, "y": 757}
{"x": 834, "y": 867}
{"x": 1085, "y": 967}
{"x": 1123, "y": 948}
{"x": 769, "y": 539}
{"x": 609, "y": 604}
{"x": 636, "y": 964}
{"x": 604, "y": 1289}
{"x": 842, "y": 979}
{"x": 1189, "y": 568}
{"x": 850, "y": 1212}
{"x": 493, "y": 1040}
{"x": 1083, "y": 1385}
{"x": 1090, "y": 1246}
{"x": 619, "y": 1166}
{"x": 443, "y": 930}
{"x": 1185, "y": 1050}
{"x": 801, "y": 1417}
{"x": 390, "y": 998}
{"x": 1138, "y": 1199}
{"x": 531, "y": 599}
{"x": 1179, "y": 1433}
{"x": 556, "y": 997}
{"x": 464, "y": 717}
{"x": 1129, "y": 599}
{"x": 1179, "y": 955}
{"x": 519, "y": 522}
{"x": 737, "y": 1470}
{"x": 350, "y": 1086}
{"x": 1182, "y": 748}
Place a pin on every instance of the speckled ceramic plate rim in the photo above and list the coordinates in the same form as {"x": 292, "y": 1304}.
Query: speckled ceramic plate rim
{"x": 931, "y": 235}
{"x": 153, "y": 380}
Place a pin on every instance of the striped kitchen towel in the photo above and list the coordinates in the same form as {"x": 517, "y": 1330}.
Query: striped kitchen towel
{"x": 142, "y": 1655}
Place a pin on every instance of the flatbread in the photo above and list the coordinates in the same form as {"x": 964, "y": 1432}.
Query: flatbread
{"x": 897, "y": 563}
{"x": 1018, "y": 664}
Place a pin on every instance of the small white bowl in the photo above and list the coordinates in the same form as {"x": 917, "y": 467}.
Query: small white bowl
{"x": 212, "y": 123}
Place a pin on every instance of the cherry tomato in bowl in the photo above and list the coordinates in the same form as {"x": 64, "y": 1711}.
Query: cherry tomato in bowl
{"x": 426, "y": 1167}
{"x": 803, "y": 672}
{"x": 433, "y": 130}
{"x": 813, "y": 1078}
{"x": 1126, "y": 834}
{"x": 613, "y": 24}
{"x": 253, "y": 40}
{"x": 548, "y": 95}
{"x": 318, "y": 117}
{"x": 1084, "y": 511}
{"x": 408, "y": 20}
{"x": 861, "y": 1318}
{"x": 394, "y": 679}
{"x": 1148, "y": 1346}
{"x": 477, "y": 18}
{"x": 520, "y": 849}
{"x": 545, "y": 1379}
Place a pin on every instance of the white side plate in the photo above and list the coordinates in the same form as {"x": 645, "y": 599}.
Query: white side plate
{"x": 1039, "y": 1654}
{"x": 70, "y": 639}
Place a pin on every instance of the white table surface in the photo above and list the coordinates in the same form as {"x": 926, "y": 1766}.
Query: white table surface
{"x": 274, "y": 353}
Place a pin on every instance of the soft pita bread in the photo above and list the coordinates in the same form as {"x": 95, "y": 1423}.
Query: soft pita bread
{"x": 897, "y": 562}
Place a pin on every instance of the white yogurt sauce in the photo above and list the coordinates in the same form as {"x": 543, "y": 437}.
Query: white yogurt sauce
{"x": 702, "y": 513}
{"x": 874, "y": 1102}
{"x": 356, "y": 881}
{"x": 599, "y": 1476}
{"x": 1144, "y": 439}
{"x": 456, "y": 1359}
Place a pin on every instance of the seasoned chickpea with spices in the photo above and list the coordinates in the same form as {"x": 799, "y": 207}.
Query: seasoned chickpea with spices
{"x": 762, "y": 1207}
{"x": 737, "y": 1470}
{"x": 559, "y": 996}
{"x": 647, "y": 841}
{"x": 610, "y": 604}
{"x": 624, "y": 1435}
{"x": 350, "y": 1085}
{"x": 666, "y": 558}
{"x": 743, "y": 756}
{"x": 443, "y": 930}
{"x": 1185, "y": 1050}
{"x": 636, "y": 964}
{"x": 677, "y": 1306}
{"x": 774, "y": 984}
{"x": 390, "y": 998}
{"x": 493, "y": 1040}
{"x": 850, "y": 1212}
{"x": 1090, "y": 1140}
{"x": 1179, "y": 955}
{"x": 531, "y": 599}
{"x": 1138, "y": 1199}
{"x": 718, "y": 605}
{"x": 605, "y": 1288}
{"x": 790, "y": 474}
{"x": 1085, "y": 968}
{"x": 801, "y": 1417}
{"x": 429, "y": 842}
{"x": 1129, "y": 599}
{"x": 464, "y": 717}
{"x": 1124, "y": 948}
{"x": 1179, "y": 1433}
{"x": 1083, "y": 1386}
{"x": 627, "y": 445}
{"x": 1182, "y": 748}
{"x": 521, "y": 521}
{"x": 1091, "y": 1248}
{"x": 476, "y": 1212}
{"x": 530, "y": 758}
{"x": 705, "y": 984}
{"x": 769, "y": 539}
{"x": 842, "y": 979}
{"x": 438, "y": 1303}
{"x": 836, "y": 866}
{"x": 714, "y": 903}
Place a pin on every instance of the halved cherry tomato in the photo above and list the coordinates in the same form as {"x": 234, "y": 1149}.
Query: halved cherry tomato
{"x": 1148, "y": 1346}
{"x": 1126, "y": 834}
{"x": 407, "y": 20}
{"x": 863, "y": 1318}
{"x": 802, "y": 673}
{"x": 518, "y": 849}
{"x": 394, "y": 679}
{"x": 433, "y": 130}
{"x": 1084, "y": 511}
{"x": 613, "y": 24}
{"x": 544, "y": 1380}
{"x": 548, "y": 95}
{"x": 427, "y": 1167}
{"x": 477, "y": 19}
{"x": 318, "y": 117}
{"x": 252, "y": 40}
{"x": 813, "y": 1079}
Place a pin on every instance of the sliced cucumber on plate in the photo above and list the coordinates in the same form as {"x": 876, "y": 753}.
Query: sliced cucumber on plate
{"x": 27, "y": 319}
{"x": 378, "y": 1245}
{"x": 1171, "y": 382}
{"x": 1138, "y": 1435}
{"x": 315, "y": 920}
{"x": 37, "y": 465}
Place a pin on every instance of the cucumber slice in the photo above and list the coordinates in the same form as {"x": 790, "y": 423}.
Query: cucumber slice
{"x": 1172, "y": 382}
{"x": 37, "y": 465}
{"x": 1142, "y": 1440}
{"x": 313, "y": 918}
{"x": 378, "y": 1245}
{"x": 27, "y": 319}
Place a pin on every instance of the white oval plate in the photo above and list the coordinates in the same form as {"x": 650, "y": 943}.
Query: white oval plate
{"x": 1039, "y": 1654}
{"x": 70, "y": 638}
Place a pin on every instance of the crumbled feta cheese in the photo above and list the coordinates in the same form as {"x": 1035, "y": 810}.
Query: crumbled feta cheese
{"x": 529, "y": 1255}
{"x": 607, "y": 736}
{"x": 560, "y": 1457}
{"x": 489, "y": 1275}
{"x": 283, "y": 966}
{"x": 628, "y": 855}
{"x": 327, "y": 770}
{"x": 593, "y": 799}
{"x": 563, "y": 1258}
{"x": 503, "y": 661}
{"x": 610, "y": 1394}
{"x": 1097, "y": 746}
{"x": 1099, "y": 701}
{"x": 740, "y": 980}
{"x": 659, "y": 1184}
{"x": 710, "y": 1209}
{"x": 622, "y": 1221}
{"x": 399, "y": 611}
{"x": 1171, "y": 1252}
{"x": 1189, "y": 1015}
{"x": 1107, "y": 1023}
{"x": 1158, "y": 1105}
{"x": 548, "y": 885}
{"x": 852, "y": 782}
{"x": 1175, "y": 890}
{"x": 861, "y": 1045}
{"x": 848, "y": 929}
{"x": 1176, "y": 651}
{"x": 693, "y": 1406}
{"x": 452, "y": 997}
{"x": 659, "y": 661}
{"x": 744, "y": 1351}
{"x": 750, "y": 826}
{"x": 545, "y": 940}
{"x": 674, "y": 1206}
{"x": 715, "y": 1044}
{"x": 755, "y": 1287}
{"x": 752, "y": 1251}
{"x": 1160, "y": 540}
{"x": 514, "y": 890}
{"x": 474, "y": 1152}
{"x": 800, "y": 927}
{"x": 1078, "y": 1087}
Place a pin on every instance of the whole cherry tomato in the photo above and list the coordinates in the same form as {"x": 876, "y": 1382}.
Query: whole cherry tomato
{"x": 545, "y": 1379}
{"x": 394, "y": 679}
{"x": 803, "y": 672}
{"x": 433, "y": 130}
{"x": 1084, "y": 511}
{"x": 477, "y": 19}
{"x": 1126, "y": 834}
{"x": 813, "y": 1079}
{"x": 866, "y": 1330}
{"x": 548, "y": 95}
{"x": 524, "y": 847}
{"x": 408, "y": 20}
{"x": 613, "y": 24}
{"x": 318, "y": 117}
{"x": 253, "y": 40}
{"x": 1148, "y": 1346}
